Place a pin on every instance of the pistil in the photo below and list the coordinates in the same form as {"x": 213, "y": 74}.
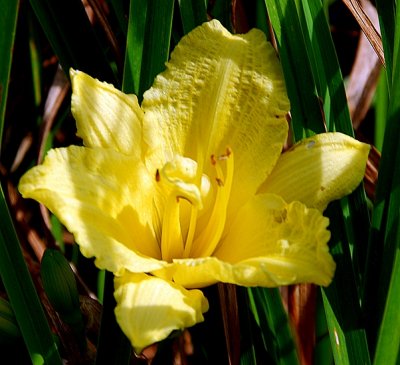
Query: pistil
{"x": 207, "y": 241}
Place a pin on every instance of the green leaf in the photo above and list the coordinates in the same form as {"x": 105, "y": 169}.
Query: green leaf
{"x": 61, "y": 289}
{"x": 381, "y": 106}
{"x": 386, "y": 12}
{"x": 305, "y": 106}
{"x": 22, "y": 294}
{"x": 341, "y": 300}
{"x": 317, "y": 95}
{"x": 325, "y": 66}
{"x": 387, "y": 349}
{"x": 13, "y": 270}
{"x": 380, "y": 285}
{"x": 9, "y": 330}
{"x": 113, "y": 348}
{"x": 67, "y": 28}
{"x": 8, "y": 21}
{"x": 193, "y": 13}
{"x": 272, "y": 319}
{"x": 149, "y": 34}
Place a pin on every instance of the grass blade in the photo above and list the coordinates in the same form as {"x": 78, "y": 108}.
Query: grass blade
{"x": 325, "y": 67}
{"x": 341, "y": 301}
{"x": 387, "y": 349}
{"x": 22, "y": 294}
{"x": 381, "y": 106}
{"x": 271, "y": 317}
{"x": 75, "y": 43}
{"x": 149, "y": 34}
{"x": 8, "y": 21}
{"x": 14, "y": 273}
{"x": 385, "y": 236}
{"x": 114, "y": 348}
{"x": 193, "y": 13}
{"x": 316, "y": 90}
{"x": 305, "y": 105}
{"x": 386, "y": 12}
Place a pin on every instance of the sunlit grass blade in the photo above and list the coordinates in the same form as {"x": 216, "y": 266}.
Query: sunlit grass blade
{"x": 388, "y": 346}
{"x": 305, "y": 105}
{"x": 381, "y": 288}
{"x": 193, "y": 13}
{"x": 325, "y": 67}
{"x": 381, "y": 105}
{"x": 72, "y": 37}
{"x": 149, "y": 34}
{"x": 272, "y": 319}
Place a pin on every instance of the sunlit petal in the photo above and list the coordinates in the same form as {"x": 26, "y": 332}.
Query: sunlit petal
{"x": 270, "y": 243}
{"x": 106, "y": 117}
{"x": 149, "y": 308}
{"x": 94, "y": 192}
{"x": 318, "y": 170}
{"x": 219, "y": 90}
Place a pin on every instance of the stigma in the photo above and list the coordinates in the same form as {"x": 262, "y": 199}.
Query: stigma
{"x": 181, "y": 183}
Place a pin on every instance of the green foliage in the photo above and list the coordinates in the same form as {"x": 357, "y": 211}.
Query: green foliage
{"x": 358, "y": 312}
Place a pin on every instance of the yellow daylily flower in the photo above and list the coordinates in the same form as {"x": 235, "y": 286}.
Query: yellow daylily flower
{"x": 190, "y": 188}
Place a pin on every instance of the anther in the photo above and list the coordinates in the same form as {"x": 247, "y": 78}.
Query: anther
{"x": 157, "y": 175}
{"x": 219, "y": 181}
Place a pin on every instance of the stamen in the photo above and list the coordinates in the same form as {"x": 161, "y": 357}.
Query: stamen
{"x": 209, "y": 238}
{"x": 205, "y": 187}
{"x": 171, "y": 236}
{"x": 191, "y": 231}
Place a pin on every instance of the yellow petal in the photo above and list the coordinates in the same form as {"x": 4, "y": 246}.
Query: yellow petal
{"x": 94, "y": 193}
{"x": 219, "y": 90}
{"x": 106, "y": 117}
{"x": 149, "y": 308}
{"x": 318, "y": 170}
{"x": 270, "y": 243}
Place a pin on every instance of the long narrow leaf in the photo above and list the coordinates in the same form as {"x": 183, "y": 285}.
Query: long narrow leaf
{"x": 385, "y": 237}
{"x": 8, "y": 21}
{"x": 74, "y": 42}
{"x": 113, "y": 347}
{"x": 386, "y": 12}
{"x": 305, "y": 105}
{"x": 23, "y": 297}
{"x": 341, "y": 301}
{"x": 14, "y": 273}
{"x": 149, "y": 34}
{"x": 326, "y": 70}
{"x": 315, "y": 88}
{"x": 193, "y": 13}
{"x": 270, "y": 315}
{"x": 387, "y": 350}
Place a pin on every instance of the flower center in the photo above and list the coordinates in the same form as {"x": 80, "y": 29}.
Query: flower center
{"x": 188, "y": 192}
